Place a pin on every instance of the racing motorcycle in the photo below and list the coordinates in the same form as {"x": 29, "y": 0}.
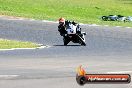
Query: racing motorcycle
{"x": 74, "y": 34}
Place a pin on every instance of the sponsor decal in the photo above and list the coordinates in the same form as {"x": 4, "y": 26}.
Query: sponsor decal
{"x": 83, "y": 78}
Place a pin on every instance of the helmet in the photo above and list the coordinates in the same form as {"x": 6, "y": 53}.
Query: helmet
{"x": 61, "y": 19}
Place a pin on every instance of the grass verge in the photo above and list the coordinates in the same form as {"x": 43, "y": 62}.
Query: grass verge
{"x": 85, "y": 11}
{"x": 8, "y": 44}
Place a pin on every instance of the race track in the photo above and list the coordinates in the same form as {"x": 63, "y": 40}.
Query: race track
{"x": 108, "y": 50}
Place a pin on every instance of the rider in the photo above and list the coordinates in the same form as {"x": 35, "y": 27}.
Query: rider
{"x": 62, "y": 26}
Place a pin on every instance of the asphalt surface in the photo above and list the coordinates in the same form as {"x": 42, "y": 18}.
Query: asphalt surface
{"x": 109, "y": 49}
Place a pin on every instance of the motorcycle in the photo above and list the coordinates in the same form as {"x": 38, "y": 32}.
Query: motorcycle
{"x": 74, "y": 34}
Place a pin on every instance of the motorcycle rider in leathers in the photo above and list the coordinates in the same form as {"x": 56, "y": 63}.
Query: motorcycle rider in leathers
{"x": 62, "y": 26}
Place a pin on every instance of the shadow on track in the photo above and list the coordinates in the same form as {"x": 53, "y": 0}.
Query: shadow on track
{"x": 66, "y": 45}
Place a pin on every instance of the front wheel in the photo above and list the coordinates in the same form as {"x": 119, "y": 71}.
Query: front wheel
{"x": 83, "y": 44}
{"x": 104, "y": 18}
{"x": 82, "y": 40}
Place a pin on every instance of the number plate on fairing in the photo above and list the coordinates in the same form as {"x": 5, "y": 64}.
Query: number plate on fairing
{"x": 71, "y": 29}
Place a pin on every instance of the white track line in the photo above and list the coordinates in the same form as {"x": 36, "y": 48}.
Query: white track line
{"x": 128, "y": 27}
{"x": 120, "y": 72}
{"x": 8, "y": 76}
{"x": 41, "y": 47}
{"x": 49, "y": 21}
{"x": 105, "y": 25}
{"x": 118, "y": 26}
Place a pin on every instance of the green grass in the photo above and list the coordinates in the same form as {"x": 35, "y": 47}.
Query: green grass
{"x": 85, "y": 11}
{"x": 8, "y": 44}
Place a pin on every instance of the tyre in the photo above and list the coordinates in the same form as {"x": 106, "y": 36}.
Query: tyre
{"x": 104, "y": 18}
{"x": 66, "y": 41}
{"x": 83, "y": 44}
{"x": 81, "y": 41}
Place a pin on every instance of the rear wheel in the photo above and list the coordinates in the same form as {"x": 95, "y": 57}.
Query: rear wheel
{"x": 66, "y": 41}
